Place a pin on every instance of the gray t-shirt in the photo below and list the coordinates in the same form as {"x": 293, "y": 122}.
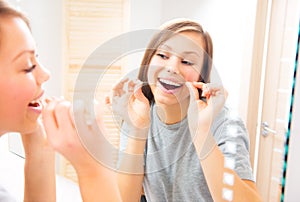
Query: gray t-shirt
{"x": 172, "y": 168}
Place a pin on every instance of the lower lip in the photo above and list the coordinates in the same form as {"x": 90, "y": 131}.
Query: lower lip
{"x": 37, "y": 110}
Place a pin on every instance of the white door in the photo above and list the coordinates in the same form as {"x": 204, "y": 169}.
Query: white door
{"x": 275, "y": 40}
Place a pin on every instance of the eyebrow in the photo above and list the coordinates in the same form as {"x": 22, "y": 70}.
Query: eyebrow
{"x": 184, "y": 53}
{"x": 166, "y": 46}
{"x": 22, "y": 53}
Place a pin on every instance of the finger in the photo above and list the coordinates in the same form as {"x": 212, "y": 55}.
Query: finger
{"x": 198, "y": 85}
{"x": 206, "y": 90}
{"x": 131, "y": 85}
{"x": 71, "y": 117}
{"x": 118, "y": 89}
{"x": 50, "y": 123}
{"x": 107, "y": 101}
{"x": 212, "y": 89}
{"x": 62, "y": 113}
{"x": 46, "y": 101}
{"x": 203, "y": 87}
{"x": 201, "y": 104}
{"x": 194, "y": 95}
{"x": 48, "y": 115}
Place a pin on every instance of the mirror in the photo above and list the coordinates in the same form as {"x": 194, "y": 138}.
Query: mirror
{"x": 246, "y": 61}
{"x": 240, "y": 31}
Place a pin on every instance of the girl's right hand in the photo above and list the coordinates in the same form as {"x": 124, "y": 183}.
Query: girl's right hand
{"x": 129, "y": 102}
{"x": 83, "y": 143}
{"x": 201, "y": 114}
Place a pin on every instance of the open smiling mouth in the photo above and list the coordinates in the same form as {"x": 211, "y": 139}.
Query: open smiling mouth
{"x": 35, "y": 104}
{"x": 170, "y": 85}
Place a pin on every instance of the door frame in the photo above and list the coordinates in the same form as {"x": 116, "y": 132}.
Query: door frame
{"x": 262, "y": 23}
{"x": 271, "y": 20}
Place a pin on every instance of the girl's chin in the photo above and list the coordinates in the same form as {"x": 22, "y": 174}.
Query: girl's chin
{"x": 170, "y": 99}
{"x": 29, "y": 127}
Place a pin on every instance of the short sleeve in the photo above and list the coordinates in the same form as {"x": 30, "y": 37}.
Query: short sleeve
{"x": 232, "y": 138}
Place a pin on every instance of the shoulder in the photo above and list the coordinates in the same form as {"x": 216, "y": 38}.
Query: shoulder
{"x": 229, "y": 125}
{"x": 228, "y": 117}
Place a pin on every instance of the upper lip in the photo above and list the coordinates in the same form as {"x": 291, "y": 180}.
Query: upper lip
{"x": 39, "y": 96}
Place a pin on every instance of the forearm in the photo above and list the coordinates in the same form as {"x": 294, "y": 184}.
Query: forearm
{"x": 130, "y": 186}
{"x": 131, "y": 168}
{"x": 212, "y": 162}
{"x": 39, "y": 172}
{"x": 98, "y": 183}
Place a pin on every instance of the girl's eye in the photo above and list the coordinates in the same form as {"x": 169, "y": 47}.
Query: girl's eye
{"x": 30, "y": 69}
{"x": 186, "y": 62}
{"x": 161, "y": 55}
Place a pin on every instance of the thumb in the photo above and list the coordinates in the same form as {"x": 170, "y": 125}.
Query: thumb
{"x": 138, "y": 93}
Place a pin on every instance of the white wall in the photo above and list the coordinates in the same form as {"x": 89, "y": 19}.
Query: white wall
{"x": 145, "y": 14}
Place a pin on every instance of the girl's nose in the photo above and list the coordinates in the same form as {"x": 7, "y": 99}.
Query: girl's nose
{"x": 173, "y": 65}
{"x": 42, "y": 74}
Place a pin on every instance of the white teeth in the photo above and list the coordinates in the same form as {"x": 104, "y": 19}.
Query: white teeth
{"x": 170, "y": 82}
{"x": 33, "y": 102}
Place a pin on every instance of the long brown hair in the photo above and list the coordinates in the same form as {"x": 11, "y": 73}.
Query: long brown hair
{"x": 168, "y": 30}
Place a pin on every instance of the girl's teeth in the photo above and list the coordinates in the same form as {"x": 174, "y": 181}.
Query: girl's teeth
{"x": 170, "y": 82}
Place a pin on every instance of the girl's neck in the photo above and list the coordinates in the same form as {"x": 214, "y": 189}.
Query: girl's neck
{"x": 171, "y": 114}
